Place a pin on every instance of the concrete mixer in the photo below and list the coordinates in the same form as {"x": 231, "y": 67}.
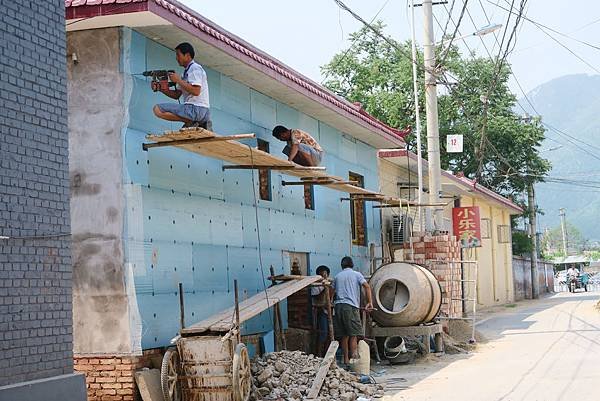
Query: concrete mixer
{"x": 406, "y": 296}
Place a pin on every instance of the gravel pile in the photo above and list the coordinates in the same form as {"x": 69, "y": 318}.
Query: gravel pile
{"x": 289, "y": 375}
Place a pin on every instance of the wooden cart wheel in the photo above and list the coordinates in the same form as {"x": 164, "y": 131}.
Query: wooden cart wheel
{"x": 169, "y": 370}
{"x": 242, "y": 378}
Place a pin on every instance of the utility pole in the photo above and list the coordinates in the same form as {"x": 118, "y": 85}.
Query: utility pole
{"x": 431, "y": 111}
{"x": 535, "y": 283}
{"x": 417, "y": 120}
{"x": 563, "y": 226}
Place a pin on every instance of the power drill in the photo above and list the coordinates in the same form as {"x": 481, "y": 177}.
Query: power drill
{"x": 162, "y": 77}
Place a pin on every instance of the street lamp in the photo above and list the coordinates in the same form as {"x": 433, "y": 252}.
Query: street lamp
{"x": 481, "y": 32}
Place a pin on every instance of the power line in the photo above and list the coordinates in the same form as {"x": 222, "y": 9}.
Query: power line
{"x": 352, "y": 43}
{"x": 541, "y": 28}
{"x": 449, "y": 17}
{"x": 378, "y": 33}
{"x": 538, "y": 24}
{"x": 498, "y": 69}
{"x": 440, "y": 25}
{"x": 456, "y": 25}
{"x": 571, "y": 139}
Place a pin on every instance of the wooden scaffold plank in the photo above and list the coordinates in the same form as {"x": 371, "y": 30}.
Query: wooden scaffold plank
{"x": 239, "y": 154}
{"x": 223, "y": 321}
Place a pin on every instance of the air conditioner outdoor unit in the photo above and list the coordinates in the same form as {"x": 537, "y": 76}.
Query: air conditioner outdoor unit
{"x": 401, "y": 229}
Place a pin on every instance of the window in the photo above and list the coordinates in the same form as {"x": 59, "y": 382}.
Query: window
{"x": 309, "y": 197}
{"x": 264, "y": 176}
{"x": 357, "y": 214}
{"x": 486, "y": 229}
{"x": 504, "y": 234}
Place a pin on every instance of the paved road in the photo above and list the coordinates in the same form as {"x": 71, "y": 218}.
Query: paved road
{"x": 543, "y": 350}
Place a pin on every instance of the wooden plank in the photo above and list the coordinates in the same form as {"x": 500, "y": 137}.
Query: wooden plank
{"x": 223, "y": 321}
{"x": 242, "y": 154}
{"x": 179, "y": 142}
{"x": 323, "y": 369}
{"x": 275, "y": 167}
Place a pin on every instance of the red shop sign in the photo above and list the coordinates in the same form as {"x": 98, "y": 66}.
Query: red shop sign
{"x": 467, "y": 226}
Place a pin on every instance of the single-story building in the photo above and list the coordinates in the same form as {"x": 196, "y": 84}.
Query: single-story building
{"x": 398, "y": 177}
{"x": 143, "y": 222}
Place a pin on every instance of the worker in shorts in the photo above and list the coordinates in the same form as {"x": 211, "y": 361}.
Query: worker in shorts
{"x": 193, "y": 86}
{"x": 347, "y": 324}
{"x": 301, "y": 148}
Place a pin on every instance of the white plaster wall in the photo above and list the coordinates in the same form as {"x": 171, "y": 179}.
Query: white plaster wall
{"x": 101, "y": 315}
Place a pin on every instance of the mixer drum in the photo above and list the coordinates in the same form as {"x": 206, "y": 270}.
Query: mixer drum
{"x": 404, "y": 294}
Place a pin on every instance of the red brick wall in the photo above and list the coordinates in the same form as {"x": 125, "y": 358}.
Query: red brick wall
{"x": 433, "y": 252}
{"x": 111, "y": 378}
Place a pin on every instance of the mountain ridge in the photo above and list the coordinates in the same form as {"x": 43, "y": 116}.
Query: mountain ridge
{"x": 571, "y": 104}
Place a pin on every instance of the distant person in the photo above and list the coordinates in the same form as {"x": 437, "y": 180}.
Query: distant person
{"x": 321, "y": 311}
{"x": 301, "y": 148}
{"x": 572, "y": 273}
{"x": 347, "y": 323}
{"x": 193, "y": 86}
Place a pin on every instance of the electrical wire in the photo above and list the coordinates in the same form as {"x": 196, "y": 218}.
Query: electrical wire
{"x": 544, "y": 29}
{"x": 389, "y": 41}
{"x": 523, "y": 92}
{"x": 41, "y": 236}
{"x": 570, "y": 138}
{"x": 540, "y": 25}
{"x": 328, "y": 72}
{"x": 259, "y": 247}
{"x": 451, "y": 19}
{"x": 456, "y": 26}
{"x": 498, "y": 69}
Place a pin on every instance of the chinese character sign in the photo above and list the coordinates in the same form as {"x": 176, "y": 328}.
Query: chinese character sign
{"x": 467, "y": 227}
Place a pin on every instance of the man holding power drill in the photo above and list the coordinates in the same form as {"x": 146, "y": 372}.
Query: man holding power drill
{"x": 193, "y": 85}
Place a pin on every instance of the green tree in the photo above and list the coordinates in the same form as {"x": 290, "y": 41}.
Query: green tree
{"x": 552, "y": 244}
{"x": 379, "y": 76}
{"x": 521, "y": 243}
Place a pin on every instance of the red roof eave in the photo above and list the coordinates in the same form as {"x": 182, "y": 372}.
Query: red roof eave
{"x": 460, "y": 180}
{"x": 201, "y": 27}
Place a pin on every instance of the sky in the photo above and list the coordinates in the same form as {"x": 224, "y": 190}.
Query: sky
{"x": 306, "y": 34}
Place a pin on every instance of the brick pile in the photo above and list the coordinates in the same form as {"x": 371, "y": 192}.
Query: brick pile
{"x": 434, "y": 252}
{"x": 111, "y": 378}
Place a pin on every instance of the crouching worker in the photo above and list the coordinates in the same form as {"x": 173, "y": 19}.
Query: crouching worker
{"x": 301, "y": 148}
{"x": 347, "y": 324}
{"x": 193, "y": 86}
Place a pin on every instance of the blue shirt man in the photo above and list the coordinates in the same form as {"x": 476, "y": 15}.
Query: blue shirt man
{"x": 347, "y": 324}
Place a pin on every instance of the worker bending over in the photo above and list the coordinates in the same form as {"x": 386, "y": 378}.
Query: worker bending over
{"x": 347, "y": 324}
{"x": 193, "y": 86}
{"x": 301, "y": 148}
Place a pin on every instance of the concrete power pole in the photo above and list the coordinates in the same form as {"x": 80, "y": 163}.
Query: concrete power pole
{"x": 535, "y": 283}
{"x": 431, "y": 111}
{"x": 563, "y": 226}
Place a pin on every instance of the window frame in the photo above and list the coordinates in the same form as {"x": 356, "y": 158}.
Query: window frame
{"x": 508, "y": 234}
{"x": 264, "y": 174}
{"x": 355, "y": 207}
